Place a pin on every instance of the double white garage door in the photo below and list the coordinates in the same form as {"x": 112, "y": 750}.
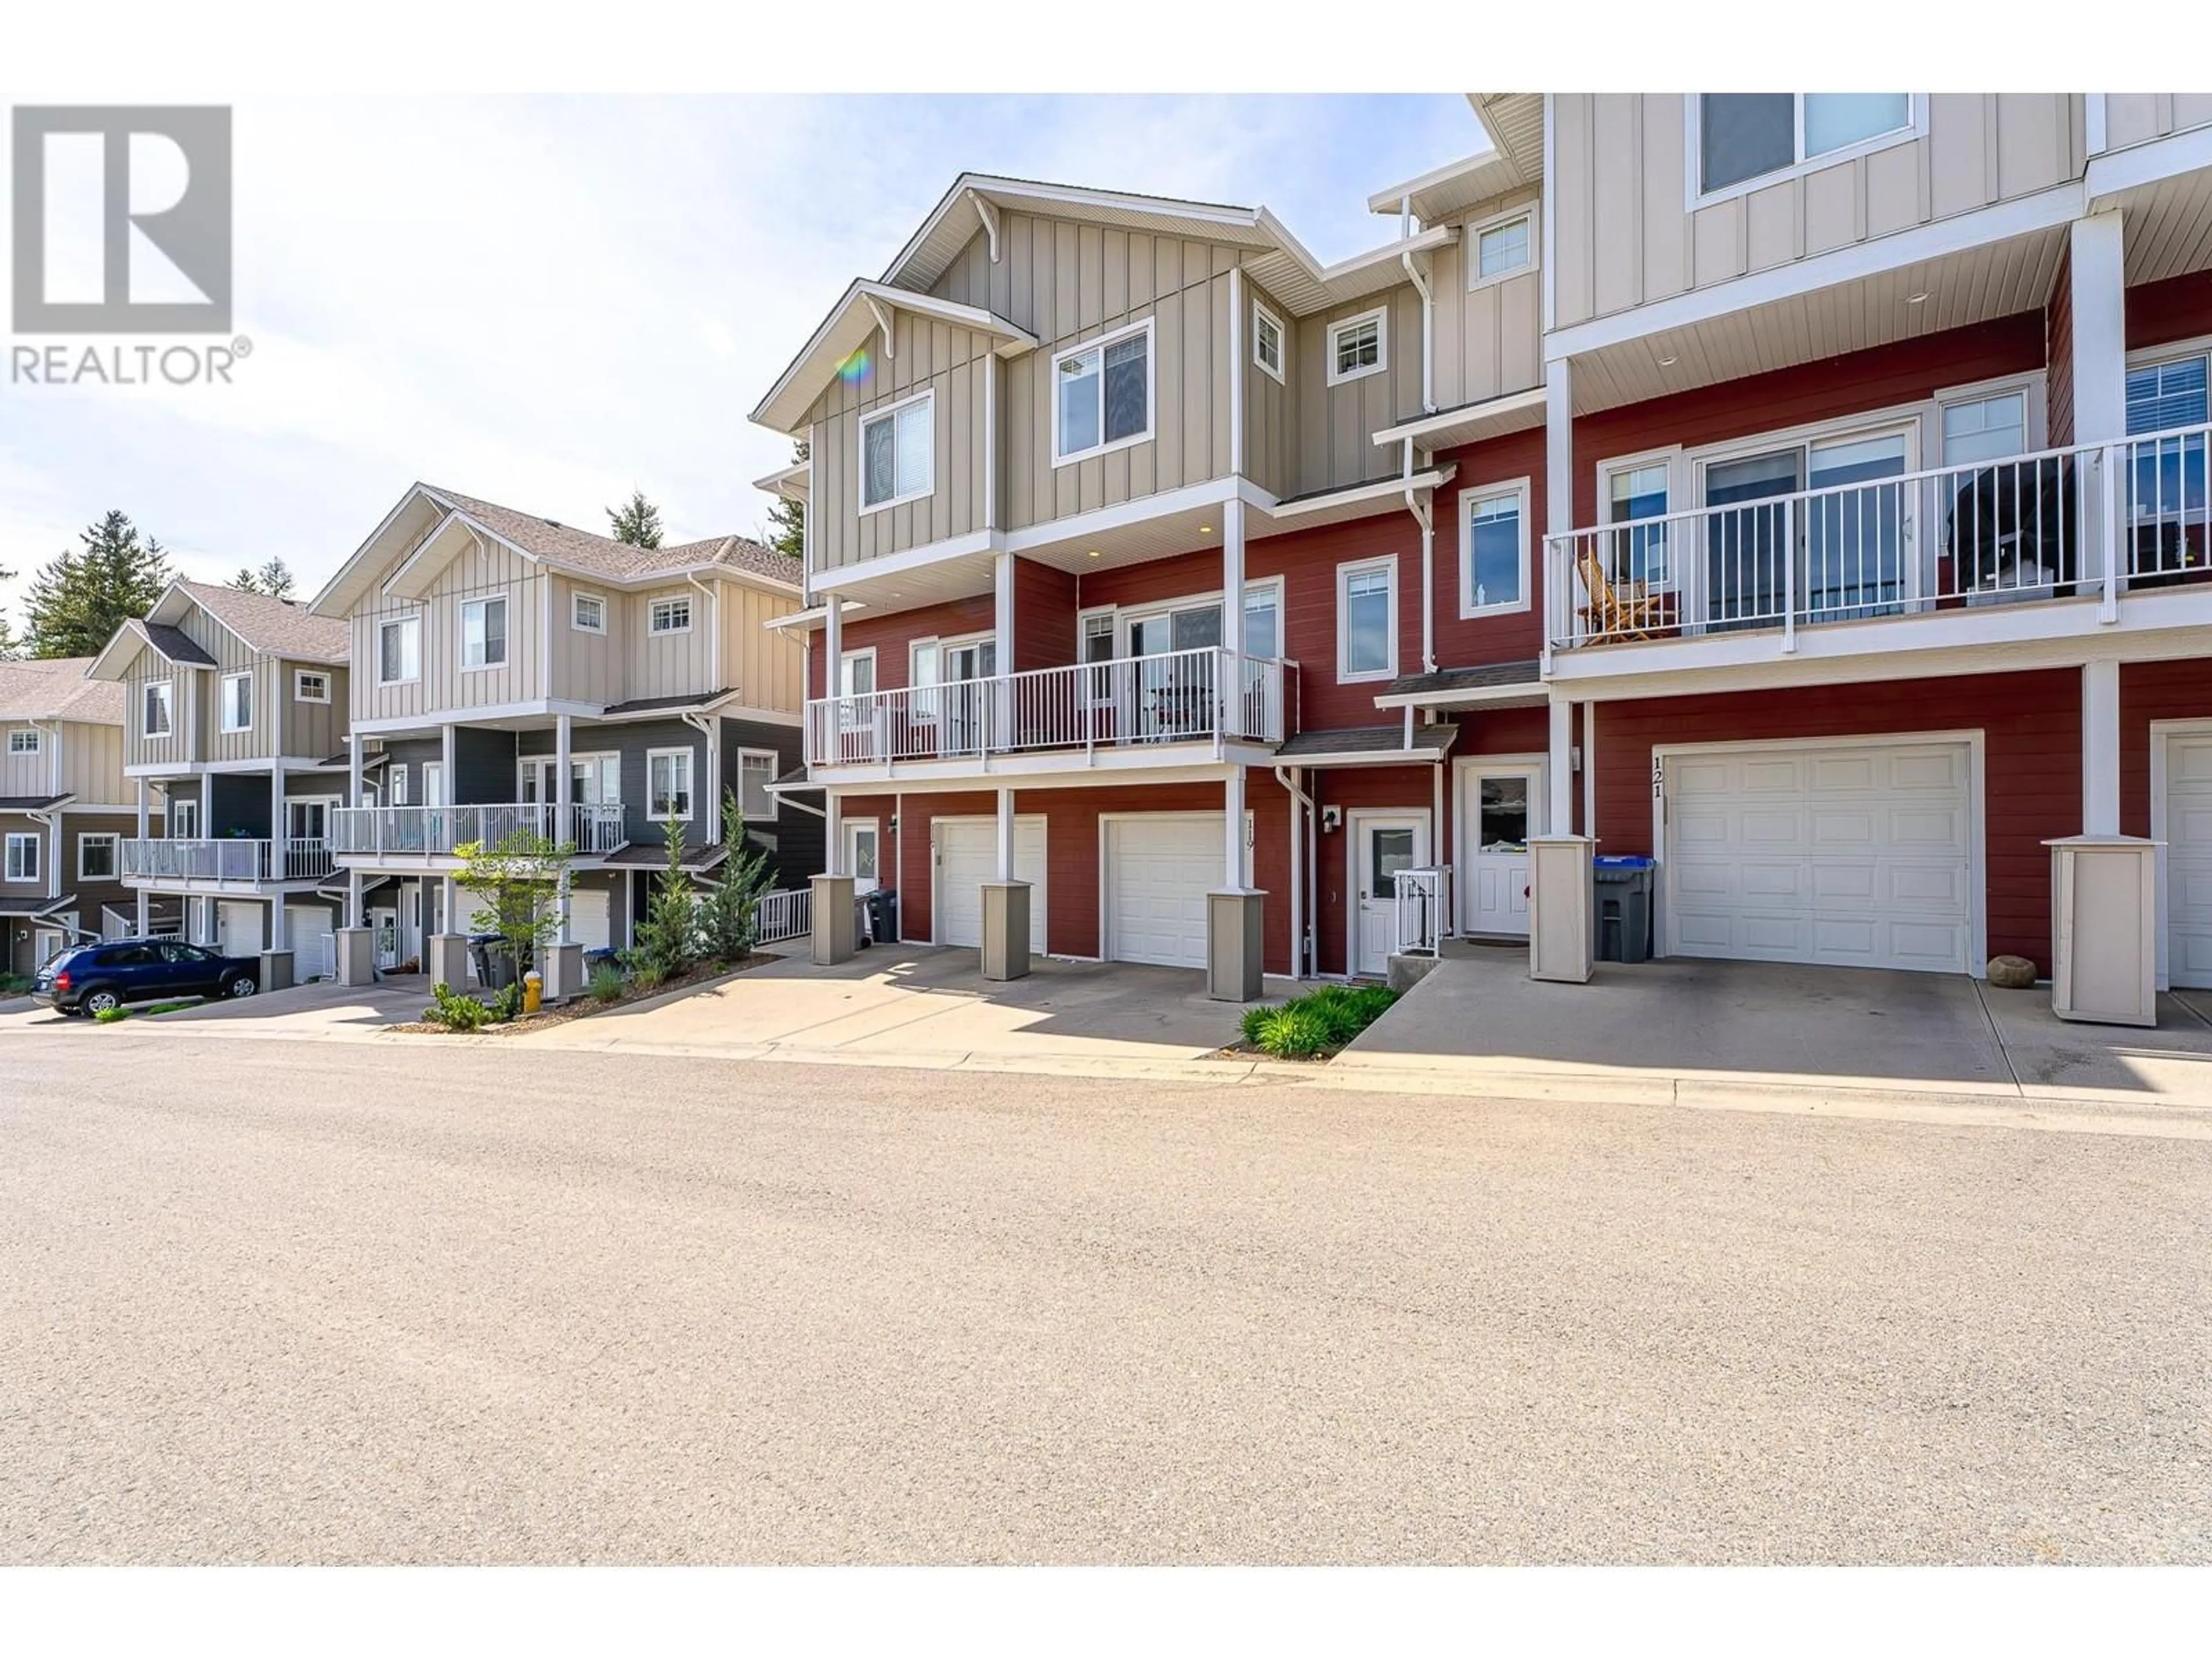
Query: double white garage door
{"x": 1858, "y": 855}
{"x": 1157, "y": 869}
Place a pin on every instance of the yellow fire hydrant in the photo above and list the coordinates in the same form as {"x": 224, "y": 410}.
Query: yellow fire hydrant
{"x": 533, "y": 987}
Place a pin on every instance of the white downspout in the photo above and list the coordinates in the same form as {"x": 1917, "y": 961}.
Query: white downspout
{"x": 1302, "y": 893}
{"x": 1425, "y": 515}
{"x": 713, "y": 598}
{"x": 1420, "y": 278}
{"x": 707, "y": 726}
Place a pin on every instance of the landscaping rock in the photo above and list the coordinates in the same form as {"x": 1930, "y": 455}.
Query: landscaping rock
{"x": 2012, "y": 973}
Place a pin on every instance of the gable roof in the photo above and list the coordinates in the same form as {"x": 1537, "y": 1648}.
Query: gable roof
{"x": 280, "y": 627}
{"x": 57, "y": 689}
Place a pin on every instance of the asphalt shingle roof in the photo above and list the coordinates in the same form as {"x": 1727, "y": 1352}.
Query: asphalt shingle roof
{"x": 1366, "y": 740}
{"x": 1466, "y": 679}
{"x": 277, "y": 626}
{"x": 566, "y": 544}
{"x": 176, "y": 645}
{"x": 56, "y": 689}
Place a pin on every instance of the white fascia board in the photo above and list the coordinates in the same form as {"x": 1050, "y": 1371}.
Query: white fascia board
{"x": 322, "y": 604}
{"x": 1522, "y": 693}
{"x": 1513, "y": 403}
{"x": 2138, "y": 165}
{"x": 430, "y": 720}
{"x": 1134, "y": 764}
{"x": 791, "y": 482}
{"x": 1387, "y": 199}
{"x": 913, "y": 558}
{"x": 2045, "y": 210}
{"x": 1433, "y": 478}
{"x": 1211, "y": 493}
{"x": 827, "y": 346}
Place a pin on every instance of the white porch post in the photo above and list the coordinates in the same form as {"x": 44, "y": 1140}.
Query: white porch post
{"x": 1233, "y": 841}
{"x": 2101, "y": 748}
{"x": 1559, "y": 772}
{"x": 1232, "y": 576}
{"x": 1298, "y": 877}
{"x": 2099, "y": 347}
{"x": 145, "y": 808}
{"x": 449, "y": 896}
{"x": 1000, "y": 733}
{"x": 1005, "y": 834}
{"x": 1558, "y": 502}
{"x": 833, "y": 678}
{"x": 447, "y": 742}
{"x": 562, "y": 733}
{"x": 353, "y": 770}
{"x": 356, "y": 890}
{"x": 279, "y": 864}
{"x": 833, "y": 833}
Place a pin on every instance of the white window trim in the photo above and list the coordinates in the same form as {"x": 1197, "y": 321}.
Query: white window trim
{"x": 1282, "y": 343}
{"x": 32, "y": 869}
{"x": 414, "y": 622}
{"x": 1123, "y": 615}
{"x": 1471, "y": 241}
{"x": 1098, "y": 343}
{"x": 651, "y": 605}
{"x": 875, "y": 675}
{"x": 1694, "y": 161}
{"x": 300, "y": 678}
{"x": 1345, "y": 675}
{"x": 17, "y": 734}
{"x": 774, "y": 762}
{"x": 223, "y": 702}
{"x": 577, "y": 597}
{"x": 164, "y": 692}
{"x": 889, "y": 411}
{"x": 115, "y": 851}
{"x": 395, "y": 784}
{"x": 690, "y": 786}
{"x": 1380, "y": 316}
{"x": 2033, "y": 386}
{"x": 528, "y": 766}
{"x": 462, "y": 633}
{"x": 173, "y": 812}
{"x": 1471, "y": 498}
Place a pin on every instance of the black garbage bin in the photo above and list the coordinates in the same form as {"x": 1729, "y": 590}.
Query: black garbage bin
{"x": 495, "y": 968}
{"x": 882, "y": 914}
{"x": 1621, "y": 908}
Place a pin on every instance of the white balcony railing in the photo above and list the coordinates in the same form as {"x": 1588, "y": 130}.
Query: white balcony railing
{"x": 434, "y": 831}
{"x": 2091, "y": 520}
{"x": 1422, "y": 910}
{"x": 786, "y": 914}
{"x": 1208, "y": 694}
{"x": 227, "y": 859}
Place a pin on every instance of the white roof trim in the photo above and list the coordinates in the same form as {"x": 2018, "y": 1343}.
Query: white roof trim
{"x": 1428, "y": 478}
{"x": 807, "y": 372}
{"x": 1387, "y": 199}
{"x": 1513, "y": 403}
{"x": 792, "y": 482}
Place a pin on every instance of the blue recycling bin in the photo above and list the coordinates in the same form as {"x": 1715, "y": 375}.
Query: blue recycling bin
{"x": 1620, "y": 907}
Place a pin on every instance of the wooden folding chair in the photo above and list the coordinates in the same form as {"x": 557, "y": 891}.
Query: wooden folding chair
{"x": 1622, "y": 611}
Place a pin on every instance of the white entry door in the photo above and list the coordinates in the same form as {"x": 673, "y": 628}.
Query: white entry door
{"x": 1500, "y": 806}
{"x": 2188, "y": 837}
{"x": 966, "y": 856}
{"x": 1159, "y": 868}
{"x": 1853, "y": 854}
{"x": 864, "y": 854}
{"x": 239, "y": 928}
{"x": 1382, "y": 844}
{"x": 591, "y": 917}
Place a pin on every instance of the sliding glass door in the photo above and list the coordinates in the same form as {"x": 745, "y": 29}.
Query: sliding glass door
{"x": 1837, "y": 553}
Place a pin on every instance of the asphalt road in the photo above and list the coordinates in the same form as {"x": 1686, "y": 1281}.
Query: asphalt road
{"x": 289, "y": 1302}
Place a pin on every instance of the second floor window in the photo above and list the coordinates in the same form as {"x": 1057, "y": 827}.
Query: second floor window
{"x": 1359, "y": 346}
{"x": 238, "y": 703}
{"x": 1503, "y": 248}
{"x": 399, "y": 651}
{"x": 671, "y": 615}
{"x": 310, "y": 687}
{"x": 588, "y": 613}
{"x": 668, "y": 784}
{"x": 22, "y": 858}
{"x": 184, "y": 819}
{"x": 1103, "y": 395}
{"x": 154, "y": 720}
{"x": 483, "y": 633}
{"x": 1747, "y": 135}
{"x": 1495, "y": 575}
{"x": 23, "y": 740}
{"x": 755, "y": 771}
{"x": 898, "y": 453}
{"x": 1367, "y": 620}
{"x": 1266, "y": 340}
{"x": 95, "y": 857}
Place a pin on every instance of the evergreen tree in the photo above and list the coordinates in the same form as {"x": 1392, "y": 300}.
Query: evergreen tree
{"x": 274, "y": 579}
{"x": 728, "y": 913}
{"x": 77, "y": 602}
{"x": 636, "y": 521}
{"x": 786, "y": 519}
{"x": 668, "y": 934}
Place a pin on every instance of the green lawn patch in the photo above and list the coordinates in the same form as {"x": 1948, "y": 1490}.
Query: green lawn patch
{"x": 1318, "y": 1023}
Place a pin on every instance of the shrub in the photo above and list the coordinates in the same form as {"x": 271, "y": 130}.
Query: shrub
{"x": 507, "y": 1005}
{"x": 606, "y": 982}
{"x": 647, "y": 976}
{"x": 14, "y": 985}
{"x": 1319, "y": 1023}
{"x": 728, "y": 915}
{"x": 109, "y": 1016}
{"x": 456, "y": 1013}
{"x": 668, "y": 932}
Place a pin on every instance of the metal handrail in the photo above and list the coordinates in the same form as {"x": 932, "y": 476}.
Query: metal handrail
{"x": 590, "y": 827}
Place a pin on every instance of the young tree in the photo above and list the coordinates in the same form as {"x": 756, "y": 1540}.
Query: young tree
{"x": 729, "y": 922}
{"x": 274, "y": 579}
{"x": 78, "y": 601}
{"x": 786, "y": 519}
{"x": 519, "y": 878}
{"x": 668, "y": 937}
{"x": 11, "y": 647}
{"x": 636, "y": 521}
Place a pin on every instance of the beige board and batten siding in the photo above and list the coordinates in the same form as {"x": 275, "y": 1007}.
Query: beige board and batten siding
{"x": 588, "y": 667}
{"x": 26, "y": 774}
{"x": 2136, "y": 118}
{"x": 1067, "y": 284}
{"x": 1490, "y": 339}
{"x": 148, "y": 667}
{"x": 311, "y": 730}
{"x": 1337, "y": 424}
{"x": 1271, "y": 431}
{"x": 485, "y": 570}
{"x": 1622, "y": 235}
{"x": 766, "y": 665}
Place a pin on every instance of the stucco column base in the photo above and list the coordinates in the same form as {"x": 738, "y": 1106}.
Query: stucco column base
{"x": 833, "y": 920}
{"x": 1560, "y": 939}
{"x": 357, "y": 950}
{"x": 448, "y": 961}
{"x": 276, "y": 970}
{"x": 1005, "y": 929}
{"x": 564, "y": 969}
{"x": 2104, "y": 929}
{"x": 1235, "y": 966}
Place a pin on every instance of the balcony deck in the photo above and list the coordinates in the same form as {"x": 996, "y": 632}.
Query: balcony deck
{"x": 425, "y": 834}
{"x": 224, "y": 864}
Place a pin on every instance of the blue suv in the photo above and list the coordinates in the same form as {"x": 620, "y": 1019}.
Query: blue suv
{"x": 93, "y": 978}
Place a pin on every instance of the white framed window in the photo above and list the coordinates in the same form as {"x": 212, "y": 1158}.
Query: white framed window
{"x": 755, "y": 771}
{"x": 96, "y": 856}
{"x": 395, "y": 788}
{"x": 23, "y": 740}
{"x": 156, "y": 713}
{"x": 856, "y": 673}
{"x": 1630, "y": 489}
{"x": 1266, "y": 340}
{"x": 1494, "y": 539}
{"x": 668, "y": 784}
{"x": 588, "y": 613}
{"x": 669, "y": 616}
{"x": 483, "y": 633}
{"x": 310, "y": 686}
{"x": 1102, "y": 394}
{"x": 898, "y": 453}
{"x": 1367, "y": 620}
{"x": 399, "y": 651}
{"x": 238, "y": 703}
{"x": 2168, "y": 392}
{"x": 1359, "y": 346}
{"x": 1095, "y": 646}
{"x": 183, "y": 818}
{"x": 1993, "y": 427}
{"x": 1739, "y": 141}
{"x": 22, "y": 856}
{"x": 1502, "y": 246}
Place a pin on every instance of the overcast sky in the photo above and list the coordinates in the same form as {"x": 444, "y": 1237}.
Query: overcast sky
{"x": 546, "y": 301}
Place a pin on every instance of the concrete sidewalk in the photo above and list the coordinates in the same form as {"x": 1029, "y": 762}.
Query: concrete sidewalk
{"x": 1651, "y": 1031}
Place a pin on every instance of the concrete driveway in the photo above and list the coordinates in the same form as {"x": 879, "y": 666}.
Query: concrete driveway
{"x": 1480, "y": 1016}
{"x": 325, "y": 1011}
{"x": 909, "y": 1005}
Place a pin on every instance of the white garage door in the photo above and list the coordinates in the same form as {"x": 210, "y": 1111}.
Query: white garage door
{"x": 306, "y": 928}
{"x": 590, "y": 917}
{"x": 2189, "y": 861}
{"x": 967, "y": 857}
{"x": 1859, "y": 855}
{"x": 238, "y": 928}
{"x": 1158, "y": 872}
